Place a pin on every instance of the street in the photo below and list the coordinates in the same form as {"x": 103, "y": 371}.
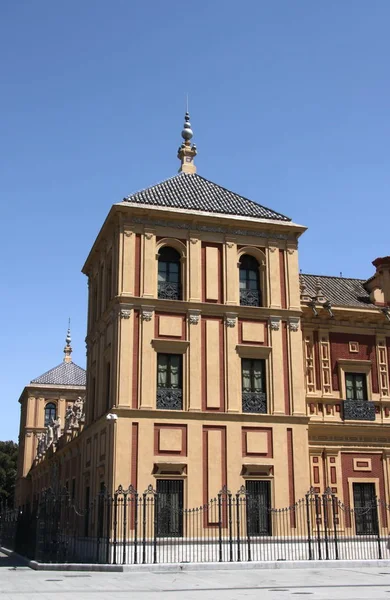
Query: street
{"x": 18, "y": 581}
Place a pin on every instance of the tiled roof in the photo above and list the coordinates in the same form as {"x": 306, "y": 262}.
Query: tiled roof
{"x": 340, "y": 291}
{"x": 192, "y": 192}
{"x": 63, "y": 374}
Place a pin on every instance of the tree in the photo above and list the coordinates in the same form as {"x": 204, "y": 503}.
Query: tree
{"x": 8, "y": 466}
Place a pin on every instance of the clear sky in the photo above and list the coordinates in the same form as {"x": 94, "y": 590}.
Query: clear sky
{"x": 289, "y": 104}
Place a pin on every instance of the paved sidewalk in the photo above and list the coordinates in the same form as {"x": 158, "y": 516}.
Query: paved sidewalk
{"x": 18, "y": 582}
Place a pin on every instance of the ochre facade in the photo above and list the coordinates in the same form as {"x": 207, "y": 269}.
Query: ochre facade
{"x": 308, "y": 344}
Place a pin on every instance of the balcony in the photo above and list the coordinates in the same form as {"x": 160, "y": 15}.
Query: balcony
{"x": 168, "y": 290}
{"x": 169, "y": 398}
{"x": 358, "y": 410}
{"x": 249, "y": 298}
{"x": 254, "y": 402}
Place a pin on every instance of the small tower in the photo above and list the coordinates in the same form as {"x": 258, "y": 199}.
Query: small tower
{"x": 187, "y": 152}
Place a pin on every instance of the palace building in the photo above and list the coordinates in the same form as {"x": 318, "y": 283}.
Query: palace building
{"x": 212, "y": 362}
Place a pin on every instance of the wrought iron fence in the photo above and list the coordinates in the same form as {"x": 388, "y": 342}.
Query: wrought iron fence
{"x": 151, "y": 527}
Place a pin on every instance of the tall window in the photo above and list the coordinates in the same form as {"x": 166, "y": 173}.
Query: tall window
{"x": 170, "y": 508}
{"x": 50, "y": 413}
{"x": 169, "y": 280}
{"x": 356, "y": 386}
{"x": 254, "y": 398}
{"x": 365, "y": 508}
{"x": 169, "y": 381}
{"x": 258, "y": 507}
{"x": 250, "y": 294}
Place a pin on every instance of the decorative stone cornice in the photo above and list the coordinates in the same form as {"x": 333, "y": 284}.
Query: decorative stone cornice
{"x": 293, "y": 323}
{"x": 193, "y": 316}
{"x": 147, "y": 313}
{"x": 125, "y": 311}
{"x": 230, "y": 319}
{"x": 274, "y": 323}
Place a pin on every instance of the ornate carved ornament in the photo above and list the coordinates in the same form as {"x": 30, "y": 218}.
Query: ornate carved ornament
{"x": 193, "y": 317}
{"x": 293, "y": 323}
{"x": 230, "y": 319}
{"x": 274, "y": 323}
{"x": 147, "y": 313}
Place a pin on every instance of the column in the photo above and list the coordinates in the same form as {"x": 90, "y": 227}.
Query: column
{"x": 195, "y": 375}
{"x": 297, "y": 390}
{"x": 292, "y": 270}
{"x": 231, "y": 279}
{"x": 276, "y": 371}
{"x": 232, "y": 364}
{"x": 194, "y": 268}
{"x": 274, "y": 292}
{"x": 149, "y": 265}
{"x": 147, "y": 359}
{"x": 124, "y": 355}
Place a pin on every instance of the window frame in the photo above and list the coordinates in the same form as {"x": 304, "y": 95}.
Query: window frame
{"x": 246, "y": 269}
{"x": 252, "y": 371}
{"x": 168, "y": 275}
{"x": 353, "y": 378}
{"x": 49, "y": 406}
{"x": 169, "y": 356}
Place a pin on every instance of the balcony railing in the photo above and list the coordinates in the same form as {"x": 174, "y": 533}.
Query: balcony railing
{"x": 169, "y": 398}
{"x": 168, "y": 290}
{"x": 250, "y": 297}
{"x": 254, "y": 402}
{"x": 358, "y": 410}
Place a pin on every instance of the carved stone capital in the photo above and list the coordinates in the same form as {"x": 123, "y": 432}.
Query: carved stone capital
{"x": 230, "y": 319}
{"x": 193, "y": 316}
{"x": 147, "y": 313}
{"x": 293, "y": 323}
{"x": 125, "y": 311}
{"x": 274, "y": 323}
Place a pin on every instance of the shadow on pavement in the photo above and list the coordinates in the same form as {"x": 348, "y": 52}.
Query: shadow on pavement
{"x": 11, "y": 562}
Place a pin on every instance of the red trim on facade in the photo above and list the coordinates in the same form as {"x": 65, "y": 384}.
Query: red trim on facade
{"x": 158, "y": 427}
{"x": 316, "y": 474}
{"x": 282, "y": 269}
{"x": 291, "y": 482}
{"x": 333, "y": 477}
{"x": 268, "y": 431}
{"x": 204, "y": 267}
{"x": 286, "y": 380}
{"x": 376, "y": 472}
{"x": 170, "y": 337}
{"x": 339, "y": 345}
{"x": 137, "y": 265}
{"x": 203, "y": 362}
{"x": 221, "y": 366}
{"x": 206, "y": 496}
{"x": 317, "y": 361}
{"x": 135, "y": 360}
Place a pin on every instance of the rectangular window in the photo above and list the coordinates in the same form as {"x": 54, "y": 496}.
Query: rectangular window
{"x": 365, "y": 508}
{"x": 356, "y": 386}
{"x": 254, "y": 397}
{"x": 169, "y": 501}
{"x": 169, "y": 381}
{"x": 258, "y": 507}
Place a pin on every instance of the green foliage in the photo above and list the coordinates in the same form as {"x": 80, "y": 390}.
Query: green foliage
{"x": 8, "y": 466}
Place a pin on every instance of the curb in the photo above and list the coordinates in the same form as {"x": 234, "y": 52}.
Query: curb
{"x": 211, "y": 566}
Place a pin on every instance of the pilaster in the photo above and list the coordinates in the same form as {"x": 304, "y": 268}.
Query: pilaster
{"x": 194, "y": 271}
{"x": 148, "y": 264}
{"x": 277, "y": 367}
{"x": 125, "y": 333}
{"x": 231, "y": 279}
{"x": 298, "y": 401}
{"x": 232, "y": 365}
{"x": 194, "y": 335}
{"x": 274, "y": 291}
{"x": 148, "y": 359}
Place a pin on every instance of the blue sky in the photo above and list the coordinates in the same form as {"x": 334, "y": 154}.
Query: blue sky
{"x": 289, "y": 104}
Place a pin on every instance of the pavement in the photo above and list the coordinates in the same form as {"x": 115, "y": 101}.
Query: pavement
{"x": 17, "y": 581}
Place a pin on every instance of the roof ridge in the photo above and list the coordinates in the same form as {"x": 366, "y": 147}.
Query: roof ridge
{"x": 335, "y": 277}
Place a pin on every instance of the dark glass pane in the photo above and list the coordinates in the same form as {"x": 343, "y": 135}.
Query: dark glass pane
{"x": 258, "y": 507}
{"x": 50, "y": 413}
{"x": 365, "y": 508}
{"x": 162, "y": 370}
{"x": 169, "y": 508}
{"x": 349, "y": 386}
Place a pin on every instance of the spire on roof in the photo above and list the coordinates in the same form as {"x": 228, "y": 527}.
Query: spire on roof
{"x": 68, "y": 347}
{"x": 187, "y": 152}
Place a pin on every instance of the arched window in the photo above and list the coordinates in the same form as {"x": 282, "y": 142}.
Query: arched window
{"x": 50, "y": 413}
{"x": 169, "y": 279}
{"x": 250, "y": 293}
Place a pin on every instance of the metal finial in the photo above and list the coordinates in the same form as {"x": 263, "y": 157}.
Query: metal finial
{"x": 187, "y": 132}
{"x": 68, "y": 339}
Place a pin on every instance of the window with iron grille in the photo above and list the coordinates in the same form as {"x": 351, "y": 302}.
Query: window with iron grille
{"x": 169, "y": 507}
{"x": 50, "y": 413}
{"x": 258, "y": 507}
{"x": 365, "y": 508}
{"x": 356, "y": 386}
{"x": 169, "y": 278}
{"x": 250, "y": 293}
{"x": 254, "y": 397}
{"x": 169, "y": 381}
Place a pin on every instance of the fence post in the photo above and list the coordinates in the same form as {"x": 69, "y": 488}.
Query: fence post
{"x": 115, "y": 525}
{"x": 229, "y": 500}
{"x": 248, "y": 539}
{"x": 108, "y": 528}
{"x": 155, "y": 498}
{"x": 238, "y": 526}
{"x": 325, "y": 522}
{"x": 308, "y": 523}
{"x": 220, "y": 525}
{"x": 334, "y": 507}
{"x": 144, "y": 528}
{"x": 124, "y": 528}
{"x": 377, "y": 504}
{"x": 135, "y": 527}
{"x": 318, "y": 519}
